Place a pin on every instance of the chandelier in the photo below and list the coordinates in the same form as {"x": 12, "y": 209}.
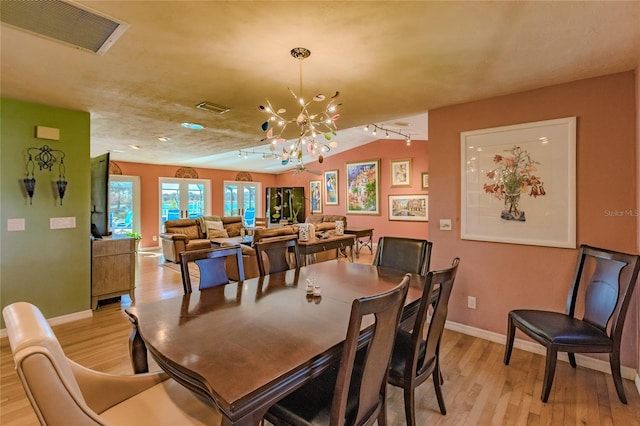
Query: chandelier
{"x": 309, "y": 124}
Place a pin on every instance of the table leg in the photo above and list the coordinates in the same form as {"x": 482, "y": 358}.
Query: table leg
{"x": 137, "y": 350}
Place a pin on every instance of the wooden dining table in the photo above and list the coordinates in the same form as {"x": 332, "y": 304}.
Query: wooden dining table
{"x": 243, "y": 346}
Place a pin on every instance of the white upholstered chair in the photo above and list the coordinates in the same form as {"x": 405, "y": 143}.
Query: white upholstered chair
{"x": 63, "y": 392}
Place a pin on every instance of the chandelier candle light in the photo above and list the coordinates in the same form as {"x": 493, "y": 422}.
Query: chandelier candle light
{"x": 310, "y": 124}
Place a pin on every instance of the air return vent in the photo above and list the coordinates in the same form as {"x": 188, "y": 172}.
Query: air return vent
{"x": 63, "y": 21}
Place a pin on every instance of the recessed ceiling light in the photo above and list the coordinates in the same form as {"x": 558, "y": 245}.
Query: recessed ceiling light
{"x": 164, "y": 138}
{"x": 134, "y": 146}
{"x": 192, "y": 126}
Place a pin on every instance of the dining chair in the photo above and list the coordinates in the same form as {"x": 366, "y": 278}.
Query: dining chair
{"x": 415, "y": 357}
{"x": 342, "y": 394}
{"x": 211, "y": 264}
{"x": 609, "y": 277}
{"x": 407, "y": 254}
{"x": 63, "y": 392}
{"x": 281, "y": 252}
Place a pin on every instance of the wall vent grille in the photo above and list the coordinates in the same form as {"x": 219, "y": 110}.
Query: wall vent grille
{"x": 63, "y": 21}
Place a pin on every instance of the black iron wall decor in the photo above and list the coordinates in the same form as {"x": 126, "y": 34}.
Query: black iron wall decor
{"x": 46, "y": 157}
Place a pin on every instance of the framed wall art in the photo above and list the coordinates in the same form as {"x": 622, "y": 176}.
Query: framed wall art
{"x": 331, "y": 188}
{"x": 363, "y": 187}
{"x": 315, "y": 195}
{"x": 409, "y": 207}
{"x": 400, "y": 172}
{"x": 425, "y": 180}
{"x": 519, "y": 184}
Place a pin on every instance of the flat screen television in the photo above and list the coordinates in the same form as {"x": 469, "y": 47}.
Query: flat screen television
{"x": 100, "y": 195}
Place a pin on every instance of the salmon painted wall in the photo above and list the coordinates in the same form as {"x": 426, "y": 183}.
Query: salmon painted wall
{"x": 384, "y": 150}
{"x": 149, "y": 191}
{"x": 508, "y": 276}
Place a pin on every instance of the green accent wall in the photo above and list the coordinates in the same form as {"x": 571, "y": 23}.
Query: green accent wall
{"x": 50, "y": 268}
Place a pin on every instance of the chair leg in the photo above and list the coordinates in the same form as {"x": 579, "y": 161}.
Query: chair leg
{"x": 436, "y": 385}
{"x": 614, "y": 361}
{"x": 409, "y": 404}
{"x": 382, "y": 415}
{"x": 572, "y": 359}
{"x": 550, "y": 370}
{"x": 511, "y": 334}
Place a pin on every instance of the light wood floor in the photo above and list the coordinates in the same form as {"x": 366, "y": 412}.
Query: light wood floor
{"x": 478, "y": 388}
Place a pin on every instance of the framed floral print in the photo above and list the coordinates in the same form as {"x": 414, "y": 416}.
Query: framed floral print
{"x": 519, "y": 184}
{"x": 401, "y": 172}
{"x": 363, "y": 188}
{"x": 315, "y": 191}
{"x": 409, "y": 207}
{"x": 331, "y": 188}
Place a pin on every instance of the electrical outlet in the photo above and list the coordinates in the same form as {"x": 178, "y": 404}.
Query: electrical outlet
{"x": 471, "y": 302}
{"x": 154, "y": 238}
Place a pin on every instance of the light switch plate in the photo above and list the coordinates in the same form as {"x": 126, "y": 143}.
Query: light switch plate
{"x": 445, "y": 224}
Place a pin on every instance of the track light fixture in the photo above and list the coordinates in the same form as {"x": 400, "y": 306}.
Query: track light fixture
{"x": 263, "y": 155}
{"x": 386, "y": 131}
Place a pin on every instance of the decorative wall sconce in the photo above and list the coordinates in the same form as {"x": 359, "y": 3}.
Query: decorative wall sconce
{"x": 46, "y": 158}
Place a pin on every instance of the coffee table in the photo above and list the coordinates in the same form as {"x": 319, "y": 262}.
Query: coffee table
{"x": 360, "y": 233}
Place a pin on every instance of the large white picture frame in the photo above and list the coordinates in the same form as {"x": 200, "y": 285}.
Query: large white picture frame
{"x": 519, "y": 183}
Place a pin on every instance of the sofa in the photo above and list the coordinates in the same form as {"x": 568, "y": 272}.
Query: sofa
{"x": 325, "y": 223}
{"x": 193, "y": 234}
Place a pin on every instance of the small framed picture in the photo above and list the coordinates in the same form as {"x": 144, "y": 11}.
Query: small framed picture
{"x": 331, "y": 188}
{"x": 409, "y": 207}
{"x": 401, "y": 172}
{"x": 425, "y": 180}
{"x": 315, "y": 189}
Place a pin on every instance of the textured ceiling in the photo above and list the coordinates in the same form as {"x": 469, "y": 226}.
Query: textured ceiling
{"x": 392, "y": 62}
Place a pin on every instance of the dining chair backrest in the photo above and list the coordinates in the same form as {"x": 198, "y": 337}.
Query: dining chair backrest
{"x": 281, "y": 252}
{"x": 407, "y": 254}
{"x": 443, "y": 279}
{"x": 211, "y": 264}
{"x": 373, "y": 370}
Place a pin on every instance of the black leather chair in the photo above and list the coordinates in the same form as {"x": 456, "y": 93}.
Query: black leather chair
{"x": 211, "y": 263}
{"x": 407, "y": 254}
{"x": 610, "y": 278}
{"x": 344, "y": 395}
{"x": 278, "y": 251}
{"x": 415, "y": 358}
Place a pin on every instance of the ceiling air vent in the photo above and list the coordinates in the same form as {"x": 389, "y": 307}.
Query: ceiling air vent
{"x": 210, "y": 106}
{"x": 69, "y": 23}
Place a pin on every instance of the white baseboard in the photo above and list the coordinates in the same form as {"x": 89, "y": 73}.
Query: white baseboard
{"x": 61, "y": 319}
{"x": 529, "y": 346}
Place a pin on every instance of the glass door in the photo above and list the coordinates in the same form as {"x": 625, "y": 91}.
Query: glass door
{"x": 184, "y": 198}
{"x": 239, "y": 196}
{"x": 124, "y": 204}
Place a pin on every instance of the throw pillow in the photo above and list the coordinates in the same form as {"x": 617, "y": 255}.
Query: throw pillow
{"x": 233, "y": 229}
{"x": 217, "y": 233}
{"x": 214, "y": 226}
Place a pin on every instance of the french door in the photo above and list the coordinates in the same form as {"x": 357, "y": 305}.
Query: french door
{"x": 184, "y": 198}
{"x": 124, "y": 204}
{"x": 239, "y": 196}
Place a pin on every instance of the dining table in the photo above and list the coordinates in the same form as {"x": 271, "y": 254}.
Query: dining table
{"x": 243, "y": 346}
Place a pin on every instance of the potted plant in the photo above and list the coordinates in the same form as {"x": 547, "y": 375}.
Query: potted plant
{"x": 136, "y": 236}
